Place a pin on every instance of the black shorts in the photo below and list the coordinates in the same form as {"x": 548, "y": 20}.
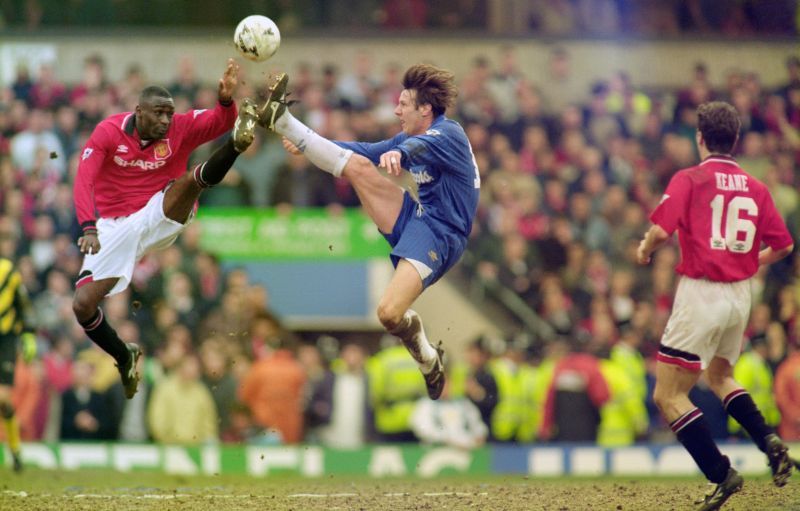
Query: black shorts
{"x": 8, "y": 358}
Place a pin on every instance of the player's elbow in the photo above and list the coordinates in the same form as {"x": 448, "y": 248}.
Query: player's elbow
{"x": 659, "y": 235}
{"x": 780, "y": 254}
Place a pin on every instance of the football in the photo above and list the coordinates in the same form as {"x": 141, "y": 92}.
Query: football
{"x": 257, "y": 38}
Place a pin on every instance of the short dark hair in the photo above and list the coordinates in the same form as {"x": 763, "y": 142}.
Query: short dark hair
{"x": 153, "y": 91}
{"x": 434, "y": 86}
{"x": 719, "y": 124}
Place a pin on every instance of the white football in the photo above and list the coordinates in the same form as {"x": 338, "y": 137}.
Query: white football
{"x": 257, "y": 38}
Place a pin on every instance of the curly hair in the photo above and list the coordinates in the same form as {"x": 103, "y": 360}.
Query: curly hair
{"x": 434, "y": 86}
{"x": 719, "y": 124}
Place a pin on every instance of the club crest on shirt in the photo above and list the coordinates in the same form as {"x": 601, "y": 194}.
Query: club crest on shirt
{"x": 162, "y": 150}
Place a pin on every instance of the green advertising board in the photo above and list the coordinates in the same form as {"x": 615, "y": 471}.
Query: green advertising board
{"x": 256, "y": 460}
{"x": 307, "y": 234}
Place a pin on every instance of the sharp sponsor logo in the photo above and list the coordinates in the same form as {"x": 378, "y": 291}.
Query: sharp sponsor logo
{"x": 142, "y": 164}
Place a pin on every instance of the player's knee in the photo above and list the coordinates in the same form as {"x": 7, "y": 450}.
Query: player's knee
{"x": 389, "y": 315}
{"x": 83, "y": 306}
{"x": 663, "y": 398}
{"x": 358, "y": 166}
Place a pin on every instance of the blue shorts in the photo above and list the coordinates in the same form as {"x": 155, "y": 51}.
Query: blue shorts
{"x": 436, "y": 247}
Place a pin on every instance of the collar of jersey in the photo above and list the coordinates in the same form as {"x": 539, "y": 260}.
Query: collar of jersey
{"x": 129, "y": 127}
{"x": 722, "y": 158}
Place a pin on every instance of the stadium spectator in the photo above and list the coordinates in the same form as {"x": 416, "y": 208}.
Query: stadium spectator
{"x": 37, "y": 150}
{"x": 181, "y": 409}
{"x": 259, "y": 166}
{"x": 217, "y": 377}
{"x": 185, "y": 83}
{"x": 575, "y": 397}
{"x": 394, "y": 388}
{"x": 480, "y": 386}
{"x": 84, "y": 411}
{"x": 753, "y": 372}
{"x": 318, "y": 391}
{"x": 450, "y": 421}
{"x": 298, "y": 184}
{"x": 513, "y": 419}
{"x": 346, "y": 426}
{"x": 787, "y": 395}
{"x": 47, "y": 91}
{"x": 623, "y": 418}
{"x": 273, "y": 390}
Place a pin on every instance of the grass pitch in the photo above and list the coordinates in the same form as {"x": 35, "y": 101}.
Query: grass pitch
{"x": 108, "y": 490}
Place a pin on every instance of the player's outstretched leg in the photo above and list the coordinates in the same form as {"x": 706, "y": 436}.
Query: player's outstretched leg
{"x": 275, "y": 116}
{"x": 212, "y": 171}
{"x": 12, "y": 434}
{"x": 429, "y": 358}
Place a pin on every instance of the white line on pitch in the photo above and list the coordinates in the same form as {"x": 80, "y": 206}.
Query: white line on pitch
{"x": 321, "y": 495}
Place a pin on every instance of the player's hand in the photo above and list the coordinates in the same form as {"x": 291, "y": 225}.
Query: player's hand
{"x": 390, "y": 160}
{"x": 642, "y": 254}
{"x": 228, "y": 82}
{"x": 28, "y": 347}
{"x": 89, "y": 243}
{"x": 290, "y": 147}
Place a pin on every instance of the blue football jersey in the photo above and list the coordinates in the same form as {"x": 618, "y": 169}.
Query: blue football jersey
{"x": 444, "y": 168}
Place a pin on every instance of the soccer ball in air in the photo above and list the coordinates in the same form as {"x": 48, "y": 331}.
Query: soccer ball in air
{"x": 257, "y": 38}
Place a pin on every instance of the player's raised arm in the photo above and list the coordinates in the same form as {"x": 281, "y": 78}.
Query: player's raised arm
{"x": 229, "y": 82}
{"x": 206, "y": 125}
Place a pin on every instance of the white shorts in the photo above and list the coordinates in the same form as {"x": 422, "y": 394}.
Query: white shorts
{"x": 124, "y": 240}
{"x": 708, "y": 320}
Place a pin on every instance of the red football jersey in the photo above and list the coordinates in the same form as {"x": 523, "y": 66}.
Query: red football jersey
{"x": 117, "y": 174}
{"x": 722, "y": 215}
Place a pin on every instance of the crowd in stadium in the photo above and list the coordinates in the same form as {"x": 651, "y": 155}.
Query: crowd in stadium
{"x": 544, "y": 17}
{"x": 570, "y": 173}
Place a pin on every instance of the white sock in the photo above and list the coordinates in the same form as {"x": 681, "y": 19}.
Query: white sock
{"x": 413, "y": 336}
{"x": 319, "y": 150}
